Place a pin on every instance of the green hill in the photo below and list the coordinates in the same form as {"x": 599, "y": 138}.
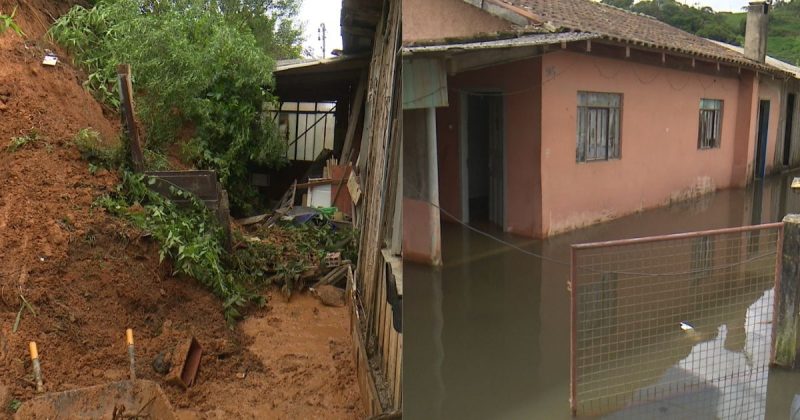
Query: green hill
{"x": 783, "y": 41}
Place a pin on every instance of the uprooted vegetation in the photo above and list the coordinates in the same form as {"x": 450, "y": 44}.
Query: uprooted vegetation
{"x": 197, "y": 75}
{"x": 191, "y": 238}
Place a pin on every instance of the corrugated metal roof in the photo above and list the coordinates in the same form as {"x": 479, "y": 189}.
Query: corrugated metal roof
{"x": 522, "y": 41}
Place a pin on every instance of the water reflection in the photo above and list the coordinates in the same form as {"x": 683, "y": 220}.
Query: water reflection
{"x": 488, "y": 333}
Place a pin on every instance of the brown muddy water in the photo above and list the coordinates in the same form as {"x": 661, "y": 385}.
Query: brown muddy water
{"x": 487, "y": 335}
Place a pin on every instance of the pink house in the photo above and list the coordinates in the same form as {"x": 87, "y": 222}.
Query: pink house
{"x": 543, "y": 116}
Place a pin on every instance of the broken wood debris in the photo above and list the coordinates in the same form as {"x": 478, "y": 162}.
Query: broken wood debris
{"x": 334, "y": 276}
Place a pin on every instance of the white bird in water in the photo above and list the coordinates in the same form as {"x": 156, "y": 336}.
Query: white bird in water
{"x": 686, "y": 326}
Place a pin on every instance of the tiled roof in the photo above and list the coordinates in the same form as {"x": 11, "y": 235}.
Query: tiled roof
{"x": 619, "y": 25}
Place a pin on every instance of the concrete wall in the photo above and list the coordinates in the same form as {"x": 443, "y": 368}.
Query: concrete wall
{"x": 660, "y": 160}
{"x": 521, "y": 81}
{"x": 440, "y": 19}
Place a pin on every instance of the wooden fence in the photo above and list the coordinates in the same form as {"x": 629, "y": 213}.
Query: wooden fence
{"x": 376, "y": 288}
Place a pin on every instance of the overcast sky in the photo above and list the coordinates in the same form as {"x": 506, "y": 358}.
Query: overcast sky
{"x": 312, "y": 14}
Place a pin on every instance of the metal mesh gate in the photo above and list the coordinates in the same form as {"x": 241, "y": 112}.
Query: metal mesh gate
{"x": 676, "y": 325}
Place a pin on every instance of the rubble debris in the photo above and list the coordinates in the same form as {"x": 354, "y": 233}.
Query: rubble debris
{"x": 333, "y": 259}
{"x": 185, "y": 364}
{"x": 328, "y": 295}
{"x": 50, "y": 59}
{"x": 162, "y": 363}
{"x": 251, "y": 220}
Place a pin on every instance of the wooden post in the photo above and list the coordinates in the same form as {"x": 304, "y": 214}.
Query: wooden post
{"x": 787, "y": 313}
{"x": 126, "y": 111}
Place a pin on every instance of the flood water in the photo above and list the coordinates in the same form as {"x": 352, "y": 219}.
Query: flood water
{"x": 487, "y": 335}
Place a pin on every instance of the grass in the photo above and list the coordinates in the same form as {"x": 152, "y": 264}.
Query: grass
{"x": 7, "y": 22}
{"x": 20, "y": 142}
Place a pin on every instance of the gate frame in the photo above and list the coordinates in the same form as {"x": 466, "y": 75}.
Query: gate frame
{"x": 573, "y": 290}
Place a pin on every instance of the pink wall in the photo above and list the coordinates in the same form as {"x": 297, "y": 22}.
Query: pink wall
{"x": 440, "y": 19}
{"x": 522, "y": 135}
{"x": 660, "y": 160}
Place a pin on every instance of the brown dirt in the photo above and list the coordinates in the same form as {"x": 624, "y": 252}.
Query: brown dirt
{"x": 90, "y": 276}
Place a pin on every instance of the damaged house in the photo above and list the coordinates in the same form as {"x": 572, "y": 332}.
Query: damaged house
{"x": 346, "y": 111}
{"x": 539, "y": 117}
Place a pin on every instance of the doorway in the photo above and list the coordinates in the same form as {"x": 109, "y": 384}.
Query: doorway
{"x": 761, "y": 139}
{"x": 483, "y": 158}
{"x": 787, "y": 132}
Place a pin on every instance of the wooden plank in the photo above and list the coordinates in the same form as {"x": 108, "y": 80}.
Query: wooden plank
{"x": 321, "y": 181}
{"x": 387, "y": 328}
{"x": 203, "y": 184}
{"x": 352, "y": 121}
{"x": 398, "y": 379}
{"x": 127, "y": 114}
{"x": 392, "y": 361}
{"x": 384, "y": 326}
{"x": 354, "y": 188}
{"x": 369, "y": 391}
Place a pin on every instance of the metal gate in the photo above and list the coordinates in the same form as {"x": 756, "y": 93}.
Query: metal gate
{"x": 675, "y": 325}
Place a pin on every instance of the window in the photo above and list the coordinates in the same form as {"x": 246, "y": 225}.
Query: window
{"x": 710, "y": 123}
{"x": 598, "y": 126}
{"x": 307, "y": 128}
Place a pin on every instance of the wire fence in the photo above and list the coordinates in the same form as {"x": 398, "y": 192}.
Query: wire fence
{"x": 676, "y": 326}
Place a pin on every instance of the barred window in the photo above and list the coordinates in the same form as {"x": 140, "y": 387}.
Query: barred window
{"x": 598, "y": 126}
{"x": 710, "y": 123}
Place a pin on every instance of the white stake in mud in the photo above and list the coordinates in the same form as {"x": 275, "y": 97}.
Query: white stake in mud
{"x": 37, "y": 369}
{"x": 129, "y": 338}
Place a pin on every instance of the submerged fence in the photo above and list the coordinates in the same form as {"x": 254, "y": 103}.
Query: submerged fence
{"x": 676, "y": 325}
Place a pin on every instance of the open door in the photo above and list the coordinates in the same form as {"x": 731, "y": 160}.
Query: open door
{"x": 761, "y": 139}
{"x": 484, "y": 159}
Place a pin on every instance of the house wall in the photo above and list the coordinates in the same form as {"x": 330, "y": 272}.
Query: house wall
{"x": 521, "y": 83}
{"x": 441, "y": 19}
{"x": 659, "y": 161}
